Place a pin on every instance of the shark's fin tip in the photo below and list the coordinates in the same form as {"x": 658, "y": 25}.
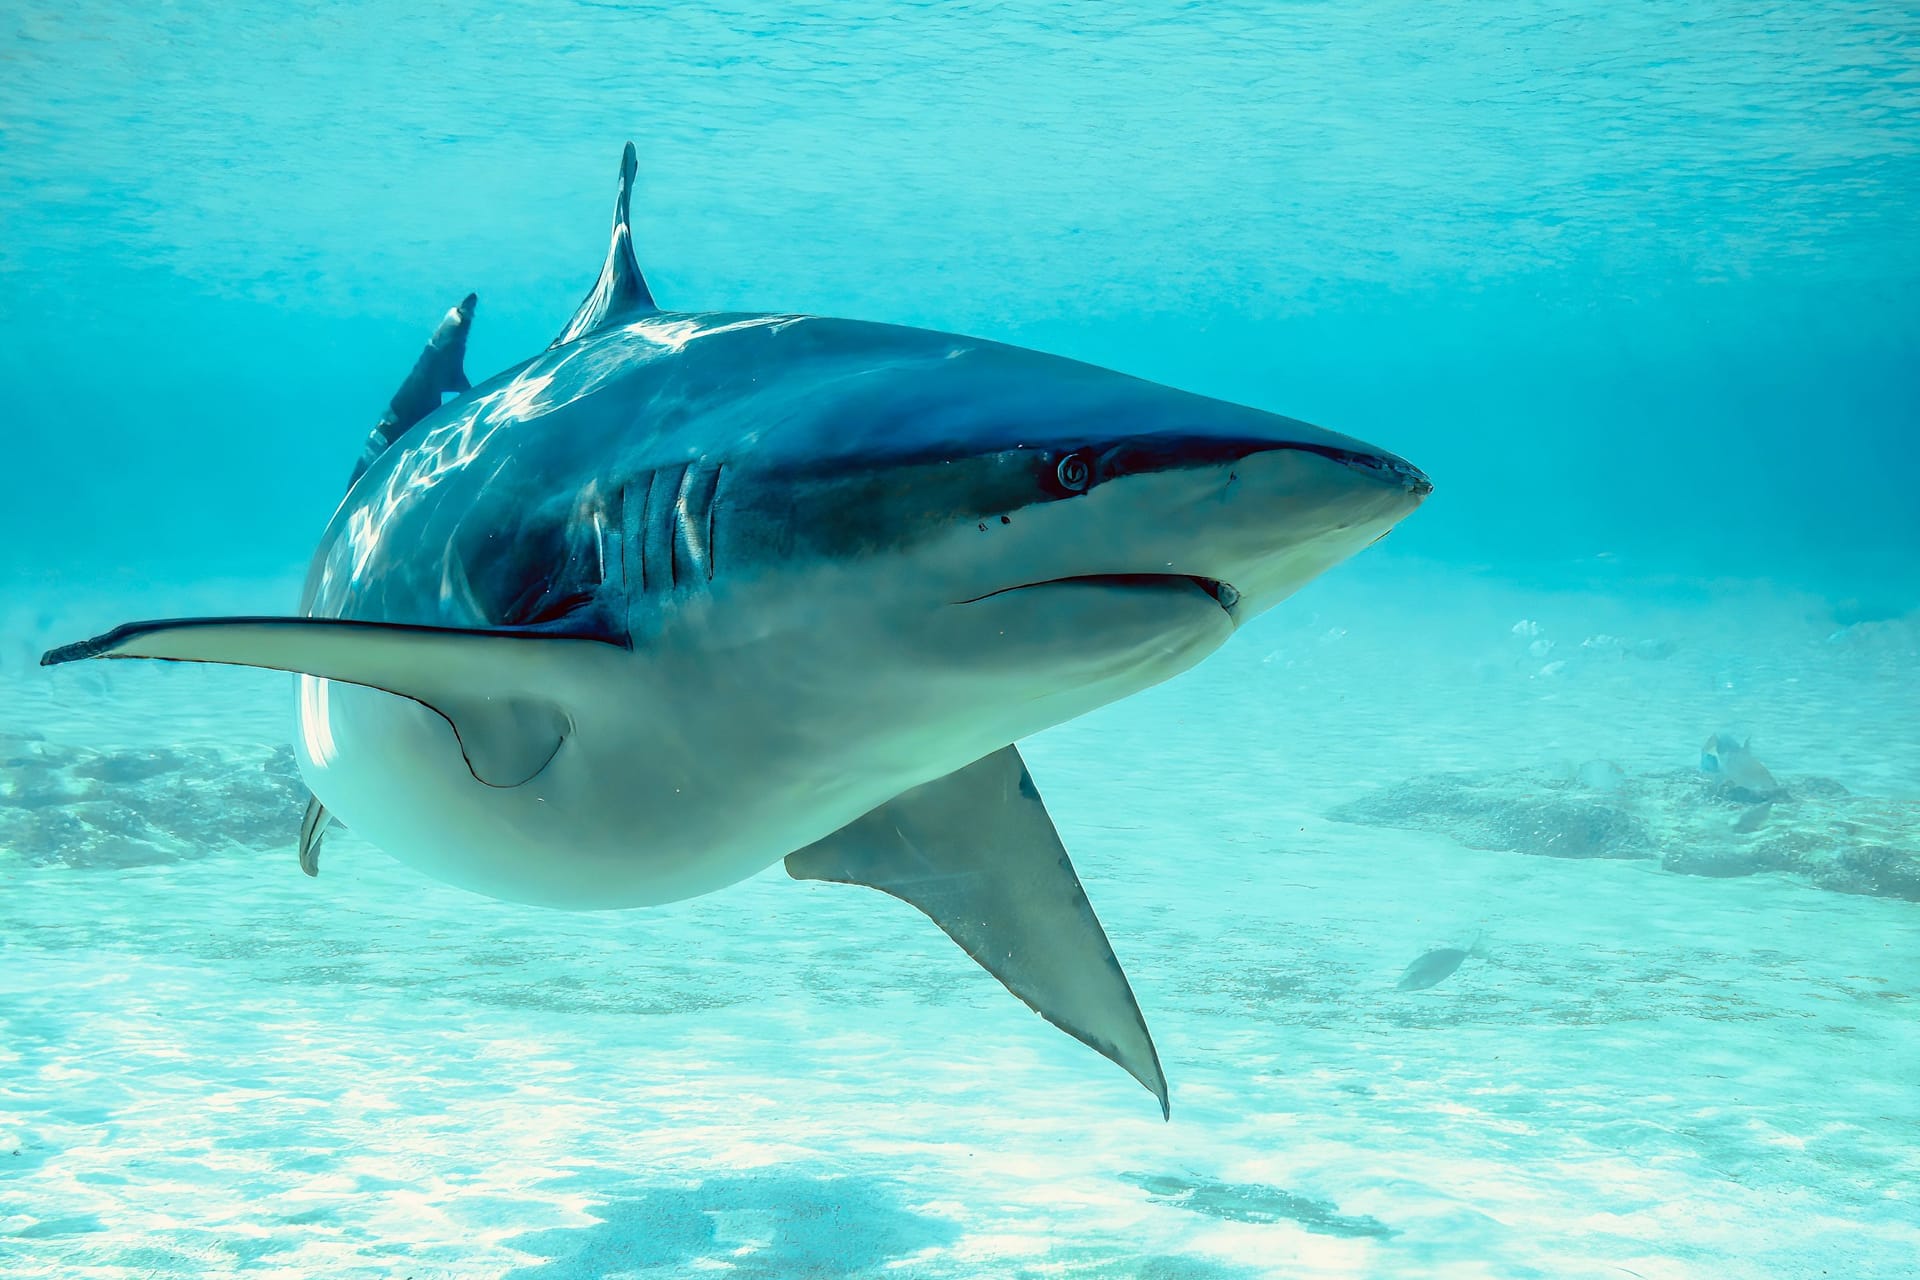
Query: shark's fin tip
{"x": 100, "y": 646}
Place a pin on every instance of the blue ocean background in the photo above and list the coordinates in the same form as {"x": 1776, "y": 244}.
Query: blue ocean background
{"x": 1634, "y": 283}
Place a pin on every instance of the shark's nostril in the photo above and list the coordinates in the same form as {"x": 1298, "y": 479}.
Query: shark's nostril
{"x": 1391, "y": 469}
{"x": 1407, "y": 474}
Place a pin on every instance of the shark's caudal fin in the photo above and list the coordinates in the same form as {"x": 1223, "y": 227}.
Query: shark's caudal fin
{"x": 440, "y": 371}
{"x": 504, "y": 692}
{"x": 621, "y": 292}
{"x": 978, "y": 854}
{"x": 313, "y": 825}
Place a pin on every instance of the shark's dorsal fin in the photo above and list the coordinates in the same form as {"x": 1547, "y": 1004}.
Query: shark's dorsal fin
{"x": 441, "y": 370}
{"x": 621, "y": 292}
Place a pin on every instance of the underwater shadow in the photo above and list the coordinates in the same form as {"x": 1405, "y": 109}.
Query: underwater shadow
{"x": 776, "y": 1226}
{"x": 1170, "y": 1266}
{"x": 1252, "y": 1202}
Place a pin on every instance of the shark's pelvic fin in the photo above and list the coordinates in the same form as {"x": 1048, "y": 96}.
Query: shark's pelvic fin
{"x": 313, "y": 825}
{"x": 440, "y": 371}
{"x": 621, "y": 292}
{"x": 978, "y": 854}
{"x": 502, "y": 691}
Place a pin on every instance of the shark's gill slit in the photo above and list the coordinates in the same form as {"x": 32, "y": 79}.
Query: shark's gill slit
{"x": 597, "y": 517}
{"x": 683, "y": 553}
{"x": 713, "y": 502}
{"x": 634, "y": 536}
{"x": 656, "y": 526}
{"x": 633, "y": 533}
{"x": 692, "y": 521}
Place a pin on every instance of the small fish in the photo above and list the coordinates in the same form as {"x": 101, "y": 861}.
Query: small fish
{"x": 1735, "y": 762}
{"x": 1437, "y": 966}
{"x": 1754, "y": 817}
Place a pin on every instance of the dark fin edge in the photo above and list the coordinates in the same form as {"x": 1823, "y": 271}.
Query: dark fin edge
{"x": 481, "y": 713}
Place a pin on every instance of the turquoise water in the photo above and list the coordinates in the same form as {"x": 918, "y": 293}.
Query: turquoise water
{"x": 1633, "y": 284}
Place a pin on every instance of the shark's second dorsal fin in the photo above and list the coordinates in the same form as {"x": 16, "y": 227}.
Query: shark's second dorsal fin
{"x": 440, "y": 371}
{"x": 621, "y": 291}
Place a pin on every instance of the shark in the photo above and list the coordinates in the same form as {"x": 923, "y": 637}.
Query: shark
{"x": 689, "y": 594}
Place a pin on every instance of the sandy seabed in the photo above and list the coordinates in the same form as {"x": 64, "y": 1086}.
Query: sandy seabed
{"x": 212, "y": 1065}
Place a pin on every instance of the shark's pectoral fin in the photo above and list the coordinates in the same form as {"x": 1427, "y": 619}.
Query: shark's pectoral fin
{"x": 313, "y": 825}
{"x": 977, "y": 853}
{"x": 504, "y": 692}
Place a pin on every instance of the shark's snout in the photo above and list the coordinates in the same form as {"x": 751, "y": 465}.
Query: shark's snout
{"x": 1279, "y": 515}
{"x": 1391, "y": 470}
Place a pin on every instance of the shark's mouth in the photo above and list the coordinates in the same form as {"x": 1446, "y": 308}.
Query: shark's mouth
{"x": 1222, "y": 593}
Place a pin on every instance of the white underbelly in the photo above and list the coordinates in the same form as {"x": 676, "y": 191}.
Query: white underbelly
{"x": 613, "y": 821}
{"x": 680, "y": 775}
{"x": 392, "y": 771}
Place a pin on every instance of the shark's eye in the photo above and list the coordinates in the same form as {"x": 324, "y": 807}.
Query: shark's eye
{"x": 1075, "y": 473}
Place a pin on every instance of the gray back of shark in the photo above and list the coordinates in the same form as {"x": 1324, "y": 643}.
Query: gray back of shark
{"x": 686, "y": 594}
